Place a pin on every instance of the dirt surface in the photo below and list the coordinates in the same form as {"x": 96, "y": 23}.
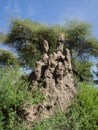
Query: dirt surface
{"x": 58, "y": 83}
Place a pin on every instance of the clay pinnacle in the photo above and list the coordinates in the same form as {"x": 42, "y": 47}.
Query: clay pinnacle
{"x": 45, "y": 46}
{"x": 61, "y": 37}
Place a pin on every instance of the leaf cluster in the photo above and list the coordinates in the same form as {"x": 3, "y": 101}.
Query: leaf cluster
{"x": 14, "y": 96}
{"x": 27, "y": 37}
{"x": 8, "y": 58}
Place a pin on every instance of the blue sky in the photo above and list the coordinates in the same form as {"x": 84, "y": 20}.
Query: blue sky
{"x": 49, "y": 11}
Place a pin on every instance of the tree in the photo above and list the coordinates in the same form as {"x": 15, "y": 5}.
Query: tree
{"x": 81, "y": 42}
{"x": 82, "y": 70}
{"x": 8, "y": 58}
{"x": 83, "y": 46}
{"x": 27, "y": 36}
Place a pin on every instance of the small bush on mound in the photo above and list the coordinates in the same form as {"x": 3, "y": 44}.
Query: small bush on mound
{"x": 13, "y": 95}
{"x": 55, "y": 122}
{"x": 81, "y": 115}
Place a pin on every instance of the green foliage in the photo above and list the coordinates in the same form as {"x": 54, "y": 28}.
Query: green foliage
{"x": 93, "y": 42}
{"x": 55, "y": 122}
{"x": 8, "y": 58}
{"x": 82, "y": 70}
{"x": 37, "y": 95}
{"x": 23, "y": 36}
{"x": 81, "y": 41}
{"x": 13, "y": 95}
{"x": 11, "y": 91}
{"x": 81, "y": 115}
{"x": 82, "y": 46}
{"x": 27, "y": 36}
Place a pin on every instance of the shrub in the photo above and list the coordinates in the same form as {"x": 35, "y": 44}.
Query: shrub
{"x": 81, "y": 115}
{"x": 14, "y": 94}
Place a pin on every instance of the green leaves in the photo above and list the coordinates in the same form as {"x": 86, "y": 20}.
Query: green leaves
{"x": 10, "y": 90}
{"x": 84, "y": 109}
{"x": 81, "y": 39}
{"x": 8, "y": 58}
{"x": 14, "y": 94}
{"x": 82, "y": 114}
{"x": 27, "y": 37}
{"x": 82, "y": 69}
{"x": 26, "y": 34}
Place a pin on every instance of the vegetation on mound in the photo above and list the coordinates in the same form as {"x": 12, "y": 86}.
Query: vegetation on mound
{"x": 81, "y": 115}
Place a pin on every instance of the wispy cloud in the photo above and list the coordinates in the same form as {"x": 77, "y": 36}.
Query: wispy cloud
{"x": 12, "y": 7}
{"x": 7, "y": 7}
{"x": 33, "y": 9}
{"x": 85, "y": 10}
{"x": 30, "y": 11}
{"x": 16, "y": 8}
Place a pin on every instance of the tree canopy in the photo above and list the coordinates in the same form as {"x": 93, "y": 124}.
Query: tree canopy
{"x": 81, "y": 40}
{"x": 8, "y": 58}
{"x": 27, "y": 37}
